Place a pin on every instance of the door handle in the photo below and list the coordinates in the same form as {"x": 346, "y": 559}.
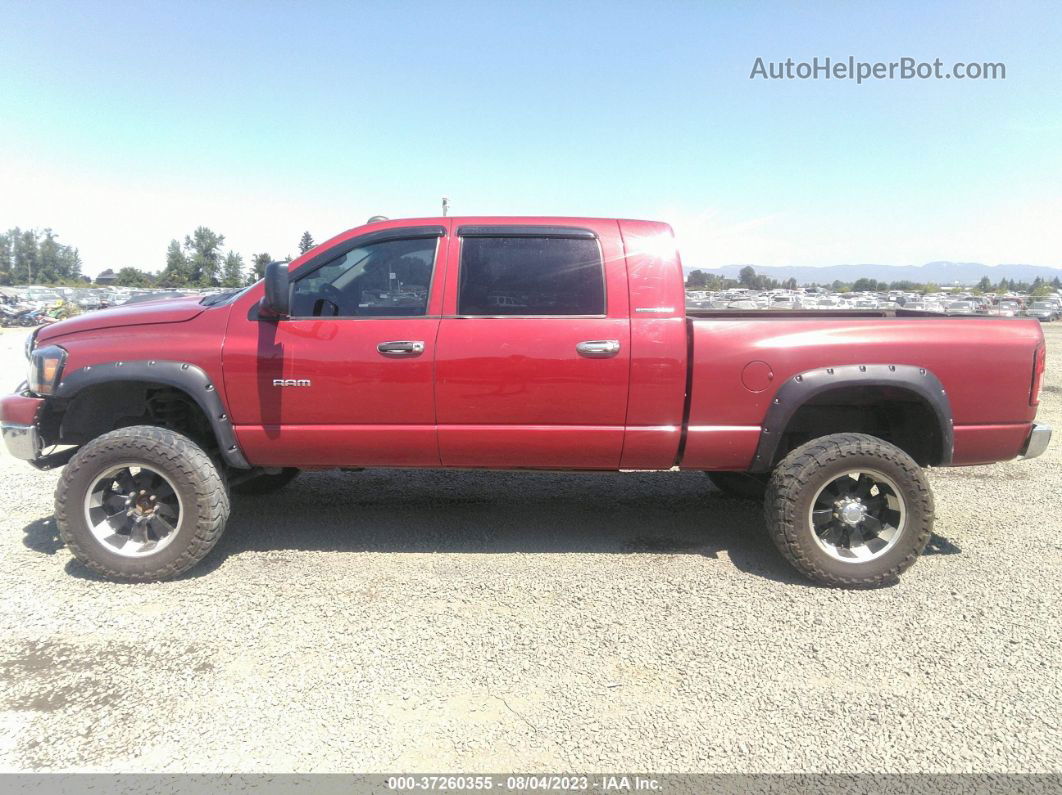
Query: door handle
{"x": 401, "y": 348}
{"x": 598, "y": 349}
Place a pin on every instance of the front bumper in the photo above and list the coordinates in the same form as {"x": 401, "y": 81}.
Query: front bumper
{"x": 22, "y": 441}
{"x": 18, "y": 425}
{"x": 1036, "y": 444}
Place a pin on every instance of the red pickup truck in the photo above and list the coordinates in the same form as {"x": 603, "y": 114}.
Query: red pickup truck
{"x": 514, "y": 343}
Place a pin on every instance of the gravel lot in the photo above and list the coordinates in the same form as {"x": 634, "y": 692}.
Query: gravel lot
{"x": 428, "y": 621}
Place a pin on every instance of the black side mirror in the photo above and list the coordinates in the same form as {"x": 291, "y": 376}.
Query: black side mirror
{"x": 277, "y": 290}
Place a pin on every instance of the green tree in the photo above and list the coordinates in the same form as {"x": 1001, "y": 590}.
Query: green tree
{"x": 258, "y": 265}
{"x": 232, "y": 271}
{"x": 134, "y": 277}
{"x": 985, "y": 284}
{"x": 306, "y": 243}
{"x": 49, "y": 266}
{"x": 203, "y": 251}
{"x": 747, "y": 276}
{"x": 5, "y": 258}
{"x": 32, "y": 256}
{"x": 57, "y": 262}
{"x": 790, "y": 283}
{"x": 74, "y": 268}
{"x": 177, "y": 272}
{"x": 24, "y": 267}
{"x": 697, "y": 280}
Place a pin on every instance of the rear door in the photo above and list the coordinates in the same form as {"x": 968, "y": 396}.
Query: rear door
{"x": 533, "y": 359}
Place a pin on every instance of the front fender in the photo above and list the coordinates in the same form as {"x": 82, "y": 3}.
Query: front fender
{"x": 189, "y": 378}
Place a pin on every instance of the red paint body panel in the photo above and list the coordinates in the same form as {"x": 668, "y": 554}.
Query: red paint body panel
{"x": 658, "y": 346}
{"x": 724, "y": 448}
{"x": 353, "y": 387}
{"x": 172, "y": 310}
{"x": 511, "y": 392}
{"x": 531, "y": 446}
{"x": 500, "y": 379}
{"x": 986, "y": 444}
{"x": 985, "y": 364}
{"x": 20, "y": 409}
{"x": 344, "y": 445}
{"x": 198, "y": 341}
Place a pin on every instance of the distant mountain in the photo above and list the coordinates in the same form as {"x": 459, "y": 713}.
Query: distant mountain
{"x": 937, "y": 272}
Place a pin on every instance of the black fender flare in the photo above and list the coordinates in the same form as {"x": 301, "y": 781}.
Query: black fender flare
{"x": 189, "y": 378}
{"x": 801, "y": 388}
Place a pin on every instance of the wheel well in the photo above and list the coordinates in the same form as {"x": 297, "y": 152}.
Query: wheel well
{"x": 100, "y": 408}
{"x": 893, "y": 414}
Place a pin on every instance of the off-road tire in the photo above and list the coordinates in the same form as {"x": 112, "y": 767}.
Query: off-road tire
{"x": 265, "y": 484}
{"x": 189, "y": 469}
{"x": 799, "y": 476}
{"x": 742, "y": 485}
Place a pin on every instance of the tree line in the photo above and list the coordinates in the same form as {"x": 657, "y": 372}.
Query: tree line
{"x": 33, "y": 256}
{"x": 201, "y": 262}
{"x": 748, "y": 278}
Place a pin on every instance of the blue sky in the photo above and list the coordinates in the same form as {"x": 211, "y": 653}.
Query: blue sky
{"x": 123, "y": 125}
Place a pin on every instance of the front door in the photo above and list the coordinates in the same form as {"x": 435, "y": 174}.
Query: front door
{"x": 346, "y": 380}
{"x": 533, "y": 356}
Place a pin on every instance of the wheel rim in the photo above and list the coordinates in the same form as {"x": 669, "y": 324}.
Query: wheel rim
{"x": 133, "y": 510}
{"x": 858, "y": 515}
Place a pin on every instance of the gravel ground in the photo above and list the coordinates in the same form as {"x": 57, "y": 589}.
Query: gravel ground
{"x": 427, "y": 621}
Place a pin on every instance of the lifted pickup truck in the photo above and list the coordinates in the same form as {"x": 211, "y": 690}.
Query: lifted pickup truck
{"x": 514, "y": 343}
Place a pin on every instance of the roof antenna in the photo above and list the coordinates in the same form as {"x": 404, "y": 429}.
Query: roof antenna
{"x": 376, "y": 218}
{"x": 445, "y": 205}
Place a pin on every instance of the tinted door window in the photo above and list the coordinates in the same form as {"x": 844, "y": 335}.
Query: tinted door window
{"x": 386, "y": 279}
{"x": 531, "y": 276}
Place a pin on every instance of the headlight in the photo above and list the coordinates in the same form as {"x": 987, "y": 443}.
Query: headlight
{"x": 46, "y": 367}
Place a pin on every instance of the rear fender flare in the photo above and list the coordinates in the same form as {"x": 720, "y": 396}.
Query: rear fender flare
{"x": 801, "y": 388}
{"x": 189, "y": 378}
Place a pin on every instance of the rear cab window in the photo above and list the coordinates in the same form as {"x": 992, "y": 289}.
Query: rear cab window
{"x": 530, "y": 275}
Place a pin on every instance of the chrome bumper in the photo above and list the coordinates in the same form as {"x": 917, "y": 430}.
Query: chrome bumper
{"x": 1037, "y": 442}
{"x": 22, "y": 441}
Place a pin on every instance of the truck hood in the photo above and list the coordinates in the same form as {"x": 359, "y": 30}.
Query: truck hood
{"x": 166, "y": 310}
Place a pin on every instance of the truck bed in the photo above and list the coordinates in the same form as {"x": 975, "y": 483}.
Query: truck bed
{"x": 740, "y": 359}
{"x": 797, "y": 314}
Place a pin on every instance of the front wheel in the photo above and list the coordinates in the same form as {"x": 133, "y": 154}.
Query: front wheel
{"x": 141, "y": 503}
{"x": 849, "y": 510}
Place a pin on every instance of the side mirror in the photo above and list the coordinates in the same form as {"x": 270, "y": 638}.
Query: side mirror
{"x": 277, "y": 290}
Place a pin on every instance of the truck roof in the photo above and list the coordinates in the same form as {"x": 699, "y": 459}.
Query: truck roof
{"x": 477, "y": 220}
{"x": 502, "y": 219}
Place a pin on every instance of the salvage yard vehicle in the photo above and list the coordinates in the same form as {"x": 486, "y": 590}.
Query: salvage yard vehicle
{"x": 1043, "y": 311}
{"x": 514, "y": 343}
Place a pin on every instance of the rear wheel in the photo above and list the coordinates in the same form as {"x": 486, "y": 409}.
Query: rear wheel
{"x": 849, "y": 510}
{"x": 141, "y": 503}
